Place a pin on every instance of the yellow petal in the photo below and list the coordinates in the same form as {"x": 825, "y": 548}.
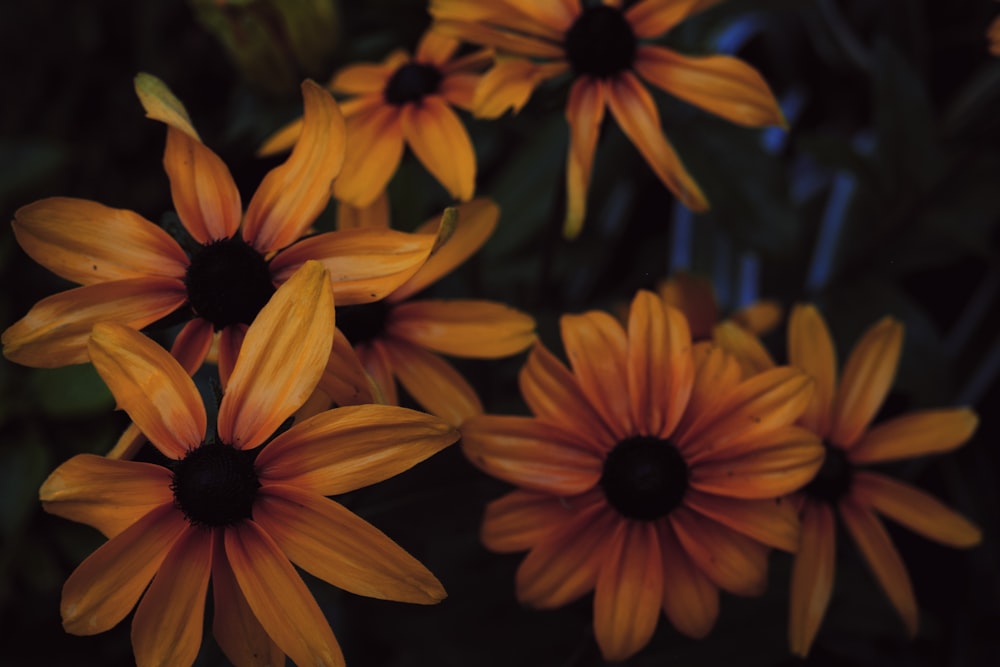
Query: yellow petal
{"x": 812, "y": 576}
{"x": 347, "y": 448}
{"x": 731, "y": 560}
{"x": 915, "y": 434}
{"x": 88, "y": 243}
{"x": 293, "y": 194}
{"x": 106, "y": 494}
{"x": 362, "y": 79}
{"x": 584, "y": 113}
{"x": 330, "y": 542}
{"x": 652, "y": 18}
{"x": 690, "y": 599}
{"x": 536, "y": 45}
{"x": 772, "y": 521}
{"x": 344, "y": 379}
{"x": 507, "y": 85}
{"x": 191, "y": 346}
{"x": 374, "y": 149}
{"x": 230, "y": 342}
{"x": 759, "y": 317}
{"x": 521, "y": 519}
{"x": 373, "y": 216}
{"x": 441, "y": 143}
{"x": 434, "y": 383}
{"x": 282, "y": 140}
{"x": 745, "y": 346}
{"x": 468, "y": 328}
{"x": 281, "y": 360}
{"x": 151, "y": 387}
{"x": 810, "y": 348}
{"x": 722, "y": 85}
{"x": 435, "y": 48}
{"x": 716, "y": 375}
{"x": 128, "y": 445}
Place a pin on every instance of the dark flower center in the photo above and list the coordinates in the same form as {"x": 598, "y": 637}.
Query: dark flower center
{"x": 644, "y": 477}
{"x": 364, "y": 322}
{"x": 834, "y": 478}
{"x": 411, "y": 82}
{"x": 228, "y": 282}
{"x": 600, "y": 42}
{"x": 215, "y": 485}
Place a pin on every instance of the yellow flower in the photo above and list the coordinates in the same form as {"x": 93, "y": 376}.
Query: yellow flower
{"x": 234, "y": 507}
{"x": 402, "y": 338}
{"x": 648, "y": 474}
{"x": 405, "y": 101}
{"x": 604, "y": 48}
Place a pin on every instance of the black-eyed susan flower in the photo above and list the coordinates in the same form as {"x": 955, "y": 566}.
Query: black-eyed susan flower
{"x": 647, "y": 474}
{"x": 404, "y": 101}
{"x": 234, "y": 506}
{"x": 401, "y": 338}
{"x": 604, "y": 48}
{"x": 132, "y": 272}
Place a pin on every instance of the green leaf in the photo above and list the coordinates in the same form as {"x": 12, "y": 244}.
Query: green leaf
{"x": 72, "y": 391}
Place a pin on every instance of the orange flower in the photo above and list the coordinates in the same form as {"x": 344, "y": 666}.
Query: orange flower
{"x": 402, "y": 338}
{"x": 604, "y": 49}
{"x": 405, "y": 101}
{"x": 648, "y": 473}
{"x": 234, "y": 507}
{"x": 133, "y": 273}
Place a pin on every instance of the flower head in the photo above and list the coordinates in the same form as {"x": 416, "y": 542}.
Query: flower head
{"x": 649, "y": 473}
{"x": 235, "y": 506}
{"x": 603, "y": 48}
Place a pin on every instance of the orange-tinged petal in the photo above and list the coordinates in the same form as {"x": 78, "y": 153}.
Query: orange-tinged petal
{"x": 745, "y": 346}
{"x": 435, "y": 48}
{"x": 522, "y": 16}
{"x": 652, "y": 18}
{"x": 915, "y": 434}
{"x": 915, "y": 509}
{"x": 375, "y": 359}
{"x": 281, "y": 361}
{"x": 344, "y": 379}
{"x": 237, "y": 631}
{"x": 584, "y": 113}
{"x": 364, "y": 265}
{"x": 695, "y": 296}
{"x": 565, "y": 565}
{"x": 282, "y": 140}
{"x": 507, "y": 85}
{"x": 373, "y": 216}
{"x": 151, "y": 387}
{"x": 722, "y": 85}
{"x": 104, "y": 588}
{"x": 660, "y": 367}
{"x": 536, "y": 45}
{"x": 347, "y": 448}
{"x": 55, "y": 331}
{"x": 771, "y": 521}
{"x": 553, "y": 395}
{"x": 327, "y": 540}
{"x": 866, "y": 380}
{"x": 810, "y": 347}
{"x": 279, "y": 598}
{"x": 732, "y": 560}
{"x": 812, "y": 576}
{"x": 882, "y": 557}
{"x": 191, "y": 346}
{"x": 634, "y": 109}
{"x": 690, "y": 599}
{"x": 293, "y": 194}
{"x": 433, "y": 383}
{"x": 362, "y": 79}
{"x": 128, "y": 445}
{"x": 104, "y": 493}
{"x": 166, "y": 629}
{"x": 759, "y": 317}
{"x": 530, "y": 454}
{"x": 629, "y": 591}
{"x": 88, "y": 243}
{"x": 441, "y": 143}
{"x": 597, "y": 348}
{"x": 470, "y": 328}
{"x": 459, "y": 89}
{"x": 230, "y": 342}
{"x": 476, "y": 221}
{"x": 521, "y": 519}
{"x": 161, "y": 104}
{"x": 374, "y": 149}
{"x": 717, "y": 374}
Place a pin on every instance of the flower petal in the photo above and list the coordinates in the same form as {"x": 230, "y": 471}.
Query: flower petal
{"x": 166, "y": 629}
{"x": 509, "y": 85}
{"x": 293, "y": 194}
{"x": 716, "y": 375}
{"x": 629, "y": 591}
{"x": 884, "y": 560}
{"x": 373, "y": 216}
{"x": 523, "y": 44}
{"x": 281, "y": 361}
{"x": 915, "y": 509}
{"x": 634, "y": 109}
{"x": 915, "y": 434}
{"x": 441, "y": 143}
{"x": 531, "y": 454}
{"x": 690, "y": 599}
{"x": 521, "y": 519}
{"x": 584, "y": 113}
{"x": 330, "y": 542}
{"x": 732, "y": 560}
{"x": 104, "y": 588}
{"x": 55, "y": 331}
{"x": 192, "y": 344}
{"x": 865, "y": 381}
{"x": 230, "y": 342}
{"x": 812, "y": 576}
{"x": 771, "y": 521}
{"x": 433, "y": 383}
{"x": 374, "y": 149}
{"x": 375, "y": 360}
{"x": 362, "y": 79}
{"x": 344, "y": 379}
{"x": 470, "y": 328}
{"x": 759, "y": 317}
{"x": 810, "y": 347}
{"x": 722, "y": 85}
{"x": 279, "y": 598}
{"x": 86, "y": 242}
{"x": 151, "y": 387}
{"x": 695, "y": 297}
{"x": 745, "y": 346}
{"x": 107, "y": 494}
{"x": 347, "y": 448}
{"x": 652, "y": 18}
{"x": 128, "y": 445}
{"x": 435, "y": 48}
{"x": 282, "y": 140}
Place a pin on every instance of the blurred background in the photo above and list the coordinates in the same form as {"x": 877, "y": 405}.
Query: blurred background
{"x": 883, "y": 198}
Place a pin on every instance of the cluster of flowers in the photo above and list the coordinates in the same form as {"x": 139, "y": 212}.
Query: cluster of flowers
{"x": 660, "y": 466}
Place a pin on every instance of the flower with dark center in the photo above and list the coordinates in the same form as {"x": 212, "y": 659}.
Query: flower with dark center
{"x": 600, "y": 42}
{"x": 644, "y": 478}
{"x": 362, "y": 323}
{"x": 215, "y": 485}
{"x": 228, "y": 282}
{"x": 411, "y": 83}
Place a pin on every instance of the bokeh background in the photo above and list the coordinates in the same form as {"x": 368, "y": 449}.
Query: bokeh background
{"x": 883, "y": 198}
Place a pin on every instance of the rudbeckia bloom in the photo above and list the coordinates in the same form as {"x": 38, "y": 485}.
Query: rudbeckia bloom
{"x": 694, "y": 296}
{"x": 603, "y": 47}
{"x": 233, "y": 506}
{"x": 404, "y": 101}
{"x": 648, "y": 474}
{"x": 134, "y": 273}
